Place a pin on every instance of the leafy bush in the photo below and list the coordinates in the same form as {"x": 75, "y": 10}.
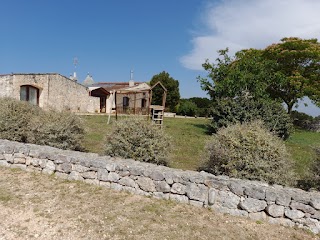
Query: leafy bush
{"x": 249, "y": 151}
{"x": 187, "y": 108}
{"x": 63, "y": 130}
{"x": 20, "y": 121}
{"x": 245, "y": 109}
{"x": 138, "y": 139}
{"x": 305, "y": 121}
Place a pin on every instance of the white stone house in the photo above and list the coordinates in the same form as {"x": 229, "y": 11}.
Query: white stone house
{"x": 49, "y": 91}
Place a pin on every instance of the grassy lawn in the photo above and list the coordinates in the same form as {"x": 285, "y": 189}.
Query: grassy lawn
{"x": 189, "y": 136}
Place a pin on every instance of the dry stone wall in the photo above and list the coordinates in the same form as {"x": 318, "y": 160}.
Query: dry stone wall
{"x": 256, "y": 200}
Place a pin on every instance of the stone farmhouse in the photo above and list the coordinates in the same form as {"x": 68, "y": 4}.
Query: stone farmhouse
{"x": 54, "y": 91}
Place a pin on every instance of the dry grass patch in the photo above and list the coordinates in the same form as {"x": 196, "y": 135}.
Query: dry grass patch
{"x": 45, "y": 207}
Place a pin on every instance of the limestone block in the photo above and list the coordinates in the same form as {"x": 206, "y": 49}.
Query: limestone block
{"x": 220, "y": 184}
{"x": 127, "y": 181}
{"x": 19, "y": 160}
{"x": 91, "y": 181}
{"x": 255, "y": 192}
{"x": 197, "y": 192}
{"x": 67, "y": 167}
{"x": 62, "y": 175}
{"x": 2, "y": 157}
{"x": 179, "y": 198}
{"x": 156, "y": 175}
{"x": 212, "y": 196}
{"x": 111, "y": 167}
{"x": 196, "y": 203}
{"x": 8, "y": 157}
{"x": 258, "y": 216}
{"x": 178, "y": 188}
{"x": 303, "y": 207}
{"x": 35, "y": 162}
{"x": 227, "y": 199}
{"x": 75, "y": 176}
{"x": 102, "y": 175}
{"x": 89, "y": 175}
{"x": 293, "y": 214}
{"x": 116, "y": 186}
{"x": 253, "y": 205}
{"x": 281, "y": 221}
{"x": 275, "y": 210}
{"x": 233, "y": 212}
{"x": 42, "y": 163}
{"x": 146, "y": 184}
{"x": 28, "y": 161}
{"x": 315, "y": 202}
{"x": 113, "y": 177}
{"x": 50, "y": 165}
{"x": 162, "y": 186}
{"x": 236, "y": 188}
{"x": 168, "y": 177}
{"x": 47, "y": 171}
{"x": 161, "y": 195}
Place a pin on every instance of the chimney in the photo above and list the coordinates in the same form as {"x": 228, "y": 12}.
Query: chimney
{"x": 131, "y": 81}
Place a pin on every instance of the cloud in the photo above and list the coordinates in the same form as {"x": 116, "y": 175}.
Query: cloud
{"x": 240, "y": 24}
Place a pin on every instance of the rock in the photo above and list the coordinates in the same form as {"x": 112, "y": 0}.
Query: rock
{"x": 111, "y": 167}
{"x": 217, "y": 184}
{"x": 156, "y": 175}
{"x": 61, "y": 175}
{"x": 255, "y": 192}
{"x": 212, "y": 196}
{"x": 233, "y": 212}
{"x": 315, "y": 202}
{"x": 42, "y": 162}
{"x": 178, "y": 188}
{"x": 76, "y": 167}
{"x": 196, "y": 203}
{"x": 91, "y": 181}
{"x": 179, "y": 198}
{"x": 8, "y": 157}
{"x": 316, "y": 215}
{"x": 89, "y": 175}
{"x": 75, "y": 176}
{"x": 47, "y": 171}
{"x": 19, "y": 160}
{"x": 303, "y": 207}
{"x": 116, "y": 186}
{"x": 162, "y": 186}
{"x": 253, "y": 205}
{"x": 275, "y": 210}
{"x": 102, "y": 175}
{"x": 161, "y": 195}
{"x": 146, "y": 184}
{"x": 20, "y": 166}
{"x": 4, "y": 163}
{"x": 113, "y": 177}
{"x": 127, "y": 181}
{"x": 293, "y": 214}
{"x": 105, "y": 184}
{"x": 50, "y": 165}
{"x": 236, "y": 188}
{"x": 227, "y": 199}
{"x": 197, "y": 192}
{"x": 258, "y": 216}
{"x": 281, "y": 221}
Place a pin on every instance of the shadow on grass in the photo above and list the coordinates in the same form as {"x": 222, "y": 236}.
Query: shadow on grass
{"x": 204, "y": 127}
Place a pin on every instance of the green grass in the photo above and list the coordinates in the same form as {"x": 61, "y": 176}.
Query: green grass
{"x": 189, "y": 137}
{"x": 300, "y": 144}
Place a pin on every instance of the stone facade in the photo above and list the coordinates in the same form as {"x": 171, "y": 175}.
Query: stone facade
{"x": 256, "y": 200}
{"x": 55, "y": 91}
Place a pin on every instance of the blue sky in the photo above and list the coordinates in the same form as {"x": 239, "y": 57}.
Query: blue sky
{"x": 111, "y": 37}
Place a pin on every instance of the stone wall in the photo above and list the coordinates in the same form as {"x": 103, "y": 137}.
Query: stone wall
{"x": 256, "y": 200}
{"x": 55, "y": 91}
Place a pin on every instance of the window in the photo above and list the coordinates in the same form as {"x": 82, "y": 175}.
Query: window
{"x": 143, "y": 103}
{"x": 125, "y": 102}
{"x": 29, "y": 94}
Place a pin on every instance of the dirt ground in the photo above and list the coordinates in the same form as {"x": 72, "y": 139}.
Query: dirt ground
{"x": 36, "y": 206}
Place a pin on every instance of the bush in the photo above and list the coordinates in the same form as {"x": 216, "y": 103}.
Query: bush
{"x": 305, "y": 121}
{"x": 249, "y": 151}
{"x": 20, "y": 121}
{"x": 187, "y": 108}
{"x": 138, "y": 139}
{"x": 243, "y": 109}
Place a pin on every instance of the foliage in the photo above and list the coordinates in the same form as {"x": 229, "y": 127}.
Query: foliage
{"x": 203, "y": 105}
{"x": 138, "y": 139}
{"x": 286, "y": 71}
{"x": 20, "y": 121}
{"x": 172, "y": 86}
{"x": 244, "y": 109}
{"x": 62, "y": 130}
{"x": 187, "y": 108}
{"x": 249, "y": 151}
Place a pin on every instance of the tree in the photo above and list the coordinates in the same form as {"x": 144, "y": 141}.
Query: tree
{"x": 172, "y": 85}
{"x": 187, "y": 107}
{"x": 286, "y": 71}
{"x": 297, "y": 69}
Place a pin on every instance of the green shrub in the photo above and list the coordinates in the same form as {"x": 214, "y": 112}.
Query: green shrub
{"x": 62, "y": 130}
{"x": 245, "y": 109}
{"x": 187, "y": 108}
{"x": 15, "y": 118}
{"x": 20, "y": 121}
{"x": 138, "y": 139}
{"x": 249, "y": 151}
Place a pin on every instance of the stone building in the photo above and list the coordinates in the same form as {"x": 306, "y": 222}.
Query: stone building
{"x": 50, "y": 91}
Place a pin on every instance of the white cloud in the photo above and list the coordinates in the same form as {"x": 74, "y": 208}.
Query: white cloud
{"x": 240, "y": 24}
